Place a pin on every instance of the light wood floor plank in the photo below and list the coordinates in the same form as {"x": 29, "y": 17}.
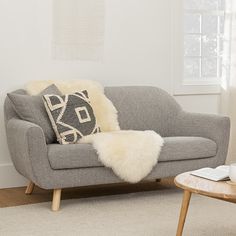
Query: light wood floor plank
{"x": 16, "y": 196}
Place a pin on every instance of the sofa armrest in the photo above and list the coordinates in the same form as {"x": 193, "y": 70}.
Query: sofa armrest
{"x": 214, "y": 127}
{"x": 27, "y": 147}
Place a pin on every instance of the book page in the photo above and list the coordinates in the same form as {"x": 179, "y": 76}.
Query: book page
{"x": 220, "y": 173}
{"x": 223, "y": 168}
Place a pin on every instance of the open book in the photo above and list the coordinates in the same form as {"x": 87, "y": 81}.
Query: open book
{"x": 217, "y": 174}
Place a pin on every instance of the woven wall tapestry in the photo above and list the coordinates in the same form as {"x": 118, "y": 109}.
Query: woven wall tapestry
{"x": 78, "y": 29}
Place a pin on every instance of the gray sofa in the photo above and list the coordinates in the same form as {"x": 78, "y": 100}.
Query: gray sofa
{"x": 191, "y": 140}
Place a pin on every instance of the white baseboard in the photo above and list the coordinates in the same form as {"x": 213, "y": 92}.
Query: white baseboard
{"x": 9, "y": 177}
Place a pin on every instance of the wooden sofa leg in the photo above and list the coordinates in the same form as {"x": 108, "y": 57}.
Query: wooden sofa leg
{"x": 29, "y": 188}
{"x": 158, "y": 180}
{"x": 56, "y": 199}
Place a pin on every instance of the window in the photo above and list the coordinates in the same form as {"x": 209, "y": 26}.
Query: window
{"x": 203, "y": 41}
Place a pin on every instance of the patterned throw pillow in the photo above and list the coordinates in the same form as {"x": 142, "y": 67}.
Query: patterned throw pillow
{"x": 71, "y": 115}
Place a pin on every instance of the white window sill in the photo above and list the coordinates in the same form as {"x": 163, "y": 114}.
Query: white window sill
{"x": 199, "y": 89}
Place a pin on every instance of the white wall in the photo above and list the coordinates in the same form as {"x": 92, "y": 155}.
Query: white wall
{"x": 137, "y": 52}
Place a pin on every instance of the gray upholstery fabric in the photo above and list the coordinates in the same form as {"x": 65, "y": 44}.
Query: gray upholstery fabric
{"x": 185, "y": 148}
{"x": 9, "y": 111}
{"x": 174, "y": 149}
{"x": 31, "y": 108}
{"x": 214, "y": 127}
{"x": 71, "y": 116}
{"x": 144, "y": 108}
{"x": 29, "y": 151}
{"x": 72, "y": 156}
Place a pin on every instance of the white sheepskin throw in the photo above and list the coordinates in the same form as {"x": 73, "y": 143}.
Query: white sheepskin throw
{"x": 104, "y": 110}
{"x": 130, "y": 154}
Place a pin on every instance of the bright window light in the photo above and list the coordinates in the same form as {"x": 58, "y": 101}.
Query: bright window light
{"x": 203, "y": 40}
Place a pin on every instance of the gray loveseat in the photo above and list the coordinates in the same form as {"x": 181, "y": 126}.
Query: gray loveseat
{"x": 191, "y": 140}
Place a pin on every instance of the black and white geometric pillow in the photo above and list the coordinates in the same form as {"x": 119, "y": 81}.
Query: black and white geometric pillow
{"x": 71, "y": 115}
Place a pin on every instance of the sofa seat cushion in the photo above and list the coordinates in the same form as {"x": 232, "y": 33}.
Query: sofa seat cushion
{"x": 175, "y": 148}
{"x": 184, "y": 148}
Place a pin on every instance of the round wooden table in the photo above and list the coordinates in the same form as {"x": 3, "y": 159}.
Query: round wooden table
{"x": 193, "y": 184}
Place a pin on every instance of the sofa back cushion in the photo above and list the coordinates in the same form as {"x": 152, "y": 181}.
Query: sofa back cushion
{"x": 9, "y": 111}
{"x": 144, "y": 108}
{"x": 31, "y": 108}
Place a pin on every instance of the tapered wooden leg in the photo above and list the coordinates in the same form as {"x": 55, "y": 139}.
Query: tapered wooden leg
{"x": 56, "y": 199}
{"x": 29, "y": 188}
{"x": 183, "y": 212}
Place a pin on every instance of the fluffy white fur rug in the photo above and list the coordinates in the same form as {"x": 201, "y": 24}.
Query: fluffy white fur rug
{"x": 105, "y": 112}
{"x": 130, "y": 154}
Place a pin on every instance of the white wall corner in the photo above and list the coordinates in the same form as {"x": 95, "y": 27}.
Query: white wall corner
{"x": 9, "y": 177}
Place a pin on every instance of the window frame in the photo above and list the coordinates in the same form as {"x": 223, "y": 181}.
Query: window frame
{"x": 180, "y": 85}
{"x": 202, "y": 79}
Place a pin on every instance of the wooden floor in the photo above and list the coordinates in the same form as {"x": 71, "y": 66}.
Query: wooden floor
{"x": 16, "y": 196}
